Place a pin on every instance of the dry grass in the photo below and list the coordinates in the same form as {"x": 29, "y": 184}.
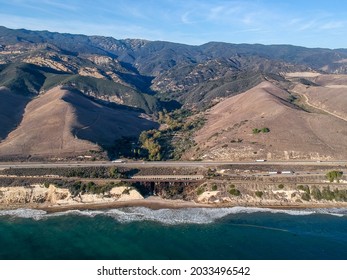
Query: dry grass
{"x": 331, "y": 95}
{"x": 294, "y": 133}
{"x": 62, "y": 122}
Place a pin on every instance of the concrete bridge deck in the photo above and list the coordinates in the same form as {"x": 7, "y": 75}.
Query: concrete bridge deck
{"x": 178, "y": 178}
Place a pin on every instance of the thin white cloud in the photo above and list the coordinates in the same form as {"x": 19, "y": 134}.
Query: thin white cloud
{"x": 185, "y": 18}
{"x": 333, "y": 25}
{"x": 44, "y": 7}
{"x": 250, "y": 18}
{"x": 307, "y": 25}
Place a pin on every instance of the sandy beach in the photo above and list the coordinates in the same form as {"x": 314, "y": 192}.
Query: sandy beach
{"x": 159, "y": 203}
{"x": 151, "y": 202}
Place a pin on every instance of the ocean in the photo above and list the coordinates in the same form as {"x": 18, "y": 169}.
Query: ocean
{"x": 180, "y": 234}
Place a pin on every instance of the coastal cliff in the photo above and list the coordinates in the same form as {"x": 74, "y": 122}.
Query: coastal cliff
{"x": 207, "y": 194}
{"x": 39, "y": 195}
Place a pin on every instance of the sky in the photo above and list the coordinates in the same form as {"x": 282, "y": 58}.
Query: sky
{"x": 306, "y": 23}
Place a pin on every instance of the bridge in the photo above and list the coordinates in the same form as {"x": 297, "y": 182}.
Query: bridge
{"x": 166, "y": 178}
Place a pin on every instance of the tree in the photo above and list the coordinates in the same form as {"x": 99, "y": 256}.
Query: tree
{"x": 148, "y": 140}
{"x": 114, "y": 172}
{"x": 316, "y": 193}
{"x": 305, "y": 196}
{"x": 334, "y": 175}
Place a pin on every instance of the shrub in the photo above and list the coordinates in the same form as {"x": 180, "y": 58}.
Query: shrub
{"x": 327, "y": 194}
{"x": 280, "y": 186}
{"x": 126, "y": 191}
{"x": 334, "y": 175}
{"x": 235, "y": 192}
{"x": 214, "y": 187}
{"x": 340, "y": 195}
{"x": 259, "y": 194}
{"x": 305, "y": 196}
{"x": 316, "y": 193}
{"x": 304, "y": 188}
{"x": 256, "y": 130}
{"x": 200, "y": 191}
{"x": 263, "y": 130}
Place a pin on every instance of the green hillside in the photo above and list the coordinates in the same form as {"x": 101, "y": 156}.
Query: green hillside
{"x": 22, "y": 78}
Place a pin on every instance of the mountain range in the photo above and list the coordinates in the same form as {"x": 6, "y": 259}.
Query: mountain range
{"x": 68, "y": 96}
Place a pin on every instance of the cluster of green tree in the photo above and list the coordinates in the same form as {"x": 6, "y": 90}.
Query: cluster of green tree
{"x": 170, "y": 142}
{"x": 325, "y": 194}
{"x": 306, "y": 195}
{"x": 165, "y": 118}
{"x": 94, "y": 172}
{"x": 174, "y": 138}
{"x": 150, "y": 142}
{"x": 128, "y": 147}
{"x": 91, "y": 188}
{"x": 257, "y": 130}
{"x": 334, "y": 175}
{"x": 171, "y": 191}
{"x": 81, "y": 172}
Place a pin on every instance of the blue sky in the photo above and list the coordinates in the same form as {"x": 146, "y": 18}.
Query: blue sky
{"x": 305, "y": 23}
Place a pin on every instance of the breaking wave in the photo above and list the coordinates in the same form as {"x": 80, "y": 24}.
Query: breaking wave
{"x": 170, "y": 216}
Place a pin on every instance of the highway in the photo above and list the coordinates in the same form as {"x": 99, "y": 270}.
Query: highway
{"x": 5, "y": 165}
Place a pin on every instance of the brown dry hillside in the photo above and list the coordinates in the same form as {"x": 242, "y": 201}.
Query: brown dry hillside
{"x": 11, "y": 111}
{"x": 294, "y": 133}
{"x": 330, "y": 94}
{"x": 66, "y": 123}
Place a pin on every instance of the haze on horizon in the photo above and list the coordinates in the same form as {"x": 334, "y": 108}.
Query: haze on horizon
{"x": 303, "y": 23}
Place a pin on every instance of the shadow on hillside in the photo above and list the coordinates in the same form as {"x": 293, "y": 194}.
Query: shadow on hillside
{"x": 102, "y": 124}
{"x": 12, "y": 108}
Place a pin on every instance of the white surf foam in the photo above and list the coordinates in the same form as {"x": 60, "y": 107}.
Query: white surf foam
{"x": 24, "y": 213}
{"x": 171, "y": 216}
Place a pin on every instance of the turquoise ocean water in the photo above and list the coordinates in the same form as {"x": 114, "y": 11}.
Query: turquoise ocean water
{"x": 142, "y": 233}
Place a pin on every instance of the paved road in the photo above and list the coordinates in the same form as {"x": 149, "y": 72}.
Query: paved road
{"x": 166, "y": 164}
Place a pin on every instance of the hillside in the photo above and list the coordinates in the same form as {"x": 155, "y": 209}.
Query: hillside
{"x": 293, "y": 132}
{"x": 153, "y": 57}
{"x": 64, "y": 123}
{"x": 167, "y": 71}
{"x": 327, "y": 93}
{"x": 65, "y": 94}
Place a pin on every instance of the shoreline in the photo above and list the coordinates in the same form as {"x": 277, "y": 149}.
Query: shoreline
{"x": 156, "y": 203}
